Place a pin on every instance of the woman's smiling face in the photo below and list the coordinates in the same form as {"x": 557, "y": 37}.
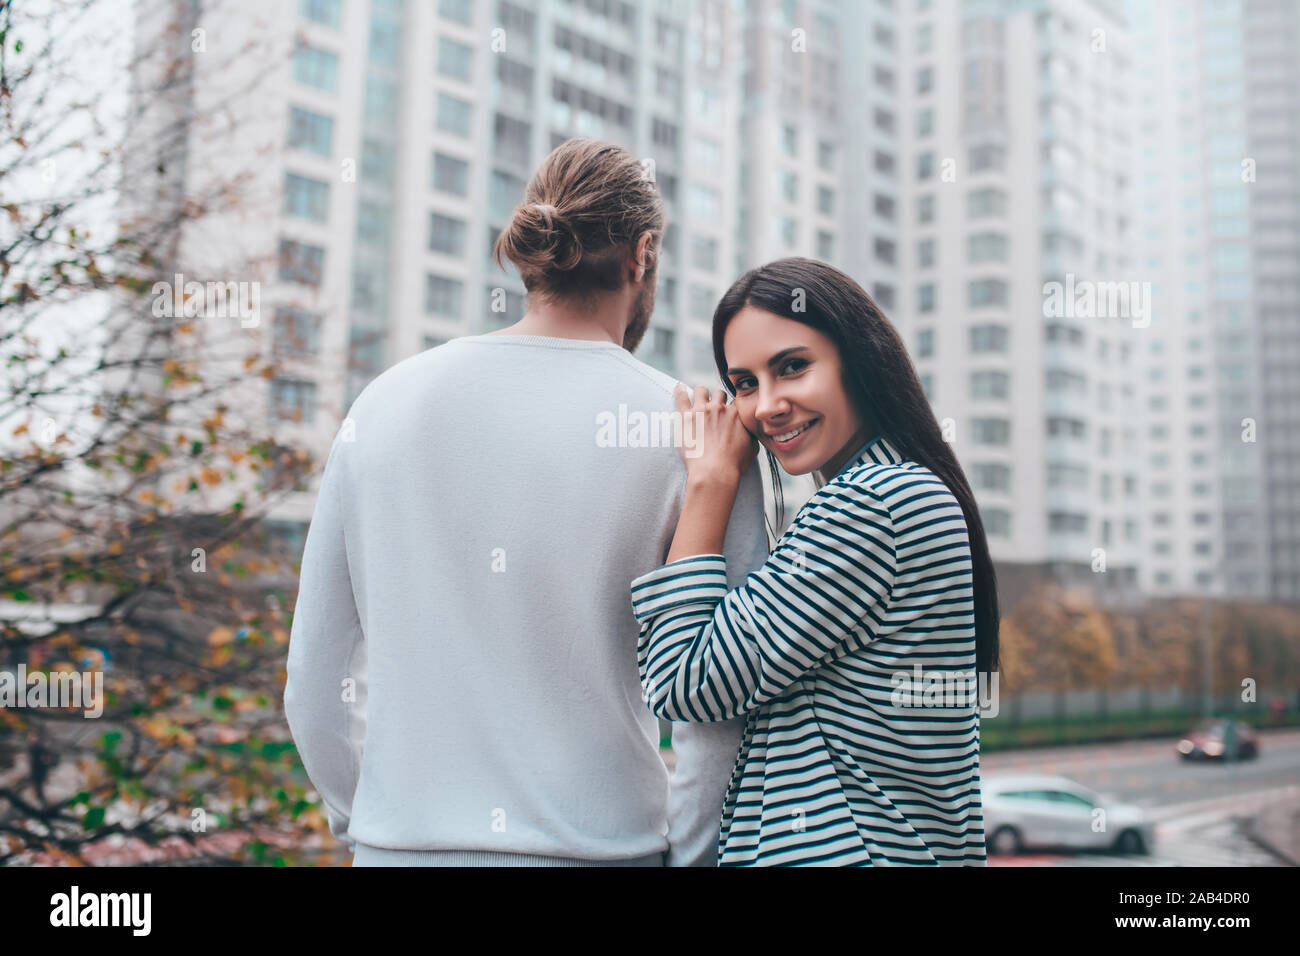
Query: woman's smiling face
{"x": 788, "y": 382}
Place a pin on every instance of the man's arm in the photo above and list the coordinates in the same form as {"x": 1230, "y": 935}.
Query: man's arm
{"x": 706, "y": 752}
{"x": 325, "y": 693}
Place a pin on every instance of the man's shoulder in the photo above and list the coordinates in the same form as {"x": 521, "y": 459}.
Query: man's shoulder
{"x": 660, "y": 382}
{"x": 417, "y": 366}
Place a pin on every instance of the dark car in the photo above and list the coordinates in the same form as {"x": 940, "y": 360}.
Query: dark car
{"x": 1218, "y": 739}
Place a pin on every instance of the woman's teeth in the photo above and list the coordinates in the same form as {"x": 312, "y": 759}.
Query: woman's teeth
{"x": 798, "y": 431}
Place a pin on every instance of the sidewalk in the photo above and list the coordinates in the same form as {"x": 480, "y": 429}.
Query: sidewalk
{"x": 1276, "y": 828}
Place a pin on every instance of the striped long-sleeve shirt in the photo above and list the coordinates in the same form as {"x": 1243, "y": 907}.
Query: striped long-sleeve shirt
{"x": 851, "y": 652}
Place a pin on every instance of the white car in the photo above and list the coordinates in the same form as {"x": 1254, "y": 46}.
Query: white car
{"x": 1023, "y": 811}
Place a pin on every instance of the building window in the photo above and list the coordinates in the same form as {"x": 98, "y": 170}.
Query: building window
{"x": 996, "y": 521}
{"x": 925, "y": 253}
{"x": 924, "y": 343}
{"x": 787, "y": 231}
{"x": 513, "y": 138}
{"x": 924, "y": 122}
{"x": 295, "y": 332}
{"x": 705, "y": 153}
{"x": 884, "y": 206}
{"x": 324, "y": 12}
{"x": 664, "y": 134}
{"x": 1058, "y": 427}
{"x": 789, "y": 185}
{"x": 442, "y": 296}
{"x": 883, "y": 294}
{"x": 381, "y": 99}
{"x": 988, "y": 338}
{"x": 300, "y": 262}
{"x": 825, "y": 245}
{"x": 990, "y": 431}
{"x": 462, "y": 11}
{"x": 883, "y": 163}
{"x": 704, "y": 253}
{"x": 1064, "y": 522}
{"x": 310, "y": 132}
{"x": 924, "y": 38}
{"x": 991, "y": 476}
{"x": 986, "y": 247}
{"x": 377, "y": 161}
{"x": 703, "y": 203}
{"x": 453, "y": 115}
{"x": 925, "y": 166}
{"x": 925, "y": 79}
{"x": 373, "y": 221}
{"x": 450, "y": 175}
{"x": 987, "y": 292}
{"x": 790, "y": 140}
{"x": 990, "y": 156}
{"x": 990, "y": 384}
{"x": 667, "y": 83}
{"x": 315, "y": 67}
{"x": 384, "y": 41}
{"x": 925, "y": 296}
{"x": 306, "y": 198}
{"x": 925, "y": 208}
{"x": 446, "y": 234}
{"x": 826, "y": 200}
{"x": 701, "y": 301}
{"x": 986, "y": 202}
{"x": 504, "y": 192}
{"x": 826, "y": 156}
{"x": 884, "y": 249}
{"x": 663, "y": 343}
{"x": 293, "y": 400}
{"x": 455, "y": 60}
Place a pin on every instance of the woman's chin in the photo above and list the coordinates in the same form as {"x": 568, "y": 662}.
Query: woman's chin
{"x": 796, "y": 466}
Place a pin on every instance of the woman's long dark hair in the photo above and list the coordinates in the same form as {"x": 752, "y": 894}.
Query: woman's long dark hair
{"x": 882, "y": 383}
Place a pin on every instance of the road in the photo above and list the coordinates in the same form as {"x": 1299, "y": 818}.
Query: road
{"x": 1202, "y": 809}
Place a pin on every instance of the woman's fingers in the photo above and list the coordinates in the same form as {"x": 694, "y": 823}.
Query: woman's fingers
{"x": 682, "y": 398}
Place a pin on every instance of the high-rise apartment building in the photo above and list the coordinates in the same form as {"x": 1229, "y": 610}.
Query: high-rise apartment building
{"x": 1016, "y": 125}
{"x": 1219, "y": 190}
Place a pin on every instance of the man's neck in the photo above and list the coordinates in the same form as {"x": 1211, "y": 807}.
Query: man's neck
{"x": 560, "y": 323}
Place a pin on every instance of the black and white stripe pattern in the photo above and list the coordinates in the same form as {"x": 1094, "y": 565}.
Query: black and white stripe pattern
{"x": 872, "y": 579}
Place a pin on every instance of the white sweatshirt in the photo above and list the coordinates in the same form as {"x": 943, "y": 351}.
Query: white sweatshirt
{"x": 462, "y": 667}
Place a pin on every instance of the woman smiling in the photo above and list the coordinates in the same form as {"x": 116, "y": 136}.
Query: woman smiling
{"x": 884, "y": 572}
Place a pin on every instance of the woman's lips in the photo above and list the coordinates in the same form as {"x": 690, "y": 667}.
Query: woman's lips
{"x": 797, "y": 439}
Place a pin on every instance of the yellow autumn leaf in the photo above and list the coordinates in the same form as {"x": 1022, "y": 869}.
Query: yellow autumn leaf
{"x": 220, "y": 636}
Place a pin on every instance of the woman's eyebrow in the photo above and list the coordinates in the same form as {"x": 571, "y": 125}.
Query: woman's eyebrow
{"x": 773, "y": 360}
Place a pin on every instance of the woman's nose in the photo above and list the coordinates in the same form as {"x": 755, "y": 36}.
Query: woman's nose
{"x": 770, "y": 404}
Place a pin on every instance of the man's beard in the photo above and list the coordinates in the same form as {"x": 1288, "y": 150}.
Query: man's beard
{"x": 642, "y": 308}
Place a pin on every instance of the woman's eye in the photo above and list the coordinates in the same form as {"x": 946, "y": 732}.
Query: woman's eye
{"x": 741, "y": 384}
{"x": 793, "y": 365}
